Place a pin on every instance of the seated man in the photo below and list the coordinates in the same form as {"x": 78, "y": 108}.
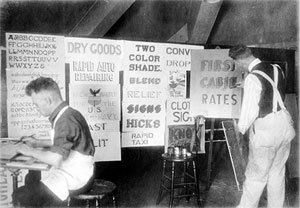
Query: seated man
{"x": 70, "y": 156}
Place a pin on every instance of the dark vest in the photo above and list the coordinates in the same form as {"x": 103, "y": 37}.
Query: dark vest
{"x": 266, "y": 96}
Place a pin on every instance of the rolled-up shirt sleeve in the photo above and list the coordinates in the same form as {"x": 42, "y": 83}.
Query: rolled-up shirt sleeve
{"x": 250, "y": 108}
{"x": 65, "y": 133}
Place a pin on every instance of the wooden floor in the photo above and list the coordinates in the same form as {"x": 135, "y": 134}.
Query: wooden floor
{"x": 138, "y": 175}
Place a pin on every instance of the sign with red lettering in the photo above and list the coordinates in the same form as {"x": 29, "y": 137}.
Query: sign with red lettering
{"x": 213, "y": 90}
{"x": 94, "y": 60}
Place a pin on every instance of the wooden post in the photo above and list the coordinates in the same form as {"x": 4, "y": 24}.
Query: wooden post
{"x": 211, "y": 138}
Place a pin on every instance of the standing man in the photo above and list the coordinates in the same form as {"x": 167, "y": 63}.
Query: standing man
{"x": 71, "y": 153}
{"x": 271, "y": 129}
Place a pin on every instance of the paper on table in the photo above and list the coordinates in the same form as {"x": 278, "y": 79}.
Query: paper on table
{"x": 24, "y": 165}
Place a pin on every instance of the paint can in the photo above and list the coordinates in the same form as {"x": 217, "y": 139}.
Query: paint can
{"x": 176, "y": 151}
{"x": 183, "y": 152}
{"x": 170, "y": 151}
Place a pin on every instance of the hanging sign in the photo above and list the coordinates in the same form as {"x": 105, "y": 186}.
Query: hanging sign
{"x": 34, "y": 51}
{"x": 24, "y": 119}
{"x": 143, "y": 116}
{"x": 177, "y": 60}
{"x": 143, "y": 138}
{"x": 96, "y": 102}
{"x": 213, "y": 91}
{"x": 107, "y": 146}
{"x": 94, "y": 60}
{"x": 178, "y": 112}
{"x": 17, "y": 79}
{"x": 143, "y": 65}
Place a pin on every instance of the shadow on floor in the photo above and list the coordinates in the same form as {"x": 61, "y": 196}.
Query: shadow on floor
{"x": 138, "y": 178}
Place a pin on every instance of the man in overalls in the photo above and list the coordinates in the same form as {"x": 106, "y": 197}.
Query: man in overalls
{"x": 271, "y": 129}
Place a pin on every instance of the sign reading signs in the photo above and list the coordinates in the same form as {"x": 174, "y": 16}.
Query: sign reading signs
{"x": 143, "y": 116}
{"x": 213, "y": 79}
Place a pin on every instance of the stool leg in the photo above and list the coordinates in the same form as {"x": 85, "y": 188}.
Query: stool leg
{"x": 185, "y": 169}
{"x": 87, "y": 203}
{"x": 97, "y": 202}
{"x": 114, "y": 201}
{"x": 172, "y": 185}
{"x": 197, "y": 184}
{"x": 69, "y": 202}
{"x": 161, "y": 183}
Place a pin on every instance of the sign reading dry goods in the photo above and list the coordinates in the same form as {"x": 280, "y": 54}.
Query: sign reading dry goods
{"x": 94, "y": 60}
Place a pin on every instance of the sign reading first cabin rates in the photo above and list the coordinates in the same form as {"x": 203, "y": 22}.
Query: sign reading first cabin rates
{"x": 213, "y": 81}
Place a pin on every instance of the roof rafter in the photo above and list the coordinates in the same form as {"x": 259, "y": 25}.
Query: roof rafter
{"x": 102, "y": 15}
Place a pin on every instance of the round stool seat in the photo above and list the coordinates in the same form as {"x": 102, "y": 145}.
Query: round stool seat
{"x": 99, "y": 189}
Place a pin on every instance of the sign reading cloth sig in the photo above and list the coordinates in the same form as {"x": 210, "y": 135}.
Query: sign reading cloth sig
{"x": 213, "y": 90}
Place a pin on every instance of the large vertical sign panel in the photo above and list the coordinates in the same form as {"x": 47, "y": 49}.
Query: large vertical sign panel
{"x": 213, "y": 89}
{"x": 30, "y": 56}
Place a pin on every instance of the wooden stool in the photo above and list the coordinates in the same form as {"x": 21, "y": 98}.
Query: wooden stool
{"x": 190, "y": 182}
{"x": 99, "y": 189}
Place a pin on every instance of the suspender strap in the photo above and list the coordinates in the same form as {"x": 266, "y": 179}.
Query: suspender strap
{"x": 276, "y": 94}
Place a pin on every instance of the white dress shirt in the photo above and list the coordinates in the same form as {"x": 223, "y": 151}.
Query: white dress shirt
{"x": 250, "y": 108}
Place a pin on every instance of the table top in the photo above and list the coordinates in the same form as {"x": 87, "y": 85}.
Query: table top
{"x": 179, "y": 158}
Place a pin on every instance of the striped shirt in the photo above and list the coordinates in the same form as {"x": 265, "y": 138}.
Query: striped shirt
{"x": 250, "y": 108}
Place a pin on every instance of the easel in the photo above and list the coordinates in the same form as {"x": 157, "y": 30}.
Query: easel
{"x": 228, "y": 144}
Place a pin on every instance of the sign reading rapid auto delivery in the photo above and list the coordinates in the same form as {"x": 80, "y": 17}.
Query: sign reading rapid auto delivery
{"x": 213, "y": 81}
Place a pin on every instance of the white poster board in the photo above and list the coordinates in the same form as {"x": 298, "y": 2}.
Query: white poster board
{"x": 213, "y": 78}
{"x": 94, "y": 60}
{"x": 177, "y": 61}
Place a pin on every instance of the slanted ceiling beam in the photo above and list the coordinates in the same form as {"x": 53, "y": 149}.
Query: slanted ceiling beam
{"x": 202, "y": 21}
{"x": 102, "y": 15}
{"x": 181, "y": 36}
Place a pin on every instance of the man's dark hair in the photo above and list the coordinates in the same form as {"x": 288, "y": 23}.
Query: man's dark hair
{"x": 42, "y": 83}
{"x": 240, "y": 52}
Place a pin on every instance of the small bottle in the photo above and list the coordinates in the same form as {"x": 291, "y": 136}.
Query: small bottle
{"x": 170, "y": 151}
{"x": 176, "y": 151}
{"x": 183, "y": 151}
